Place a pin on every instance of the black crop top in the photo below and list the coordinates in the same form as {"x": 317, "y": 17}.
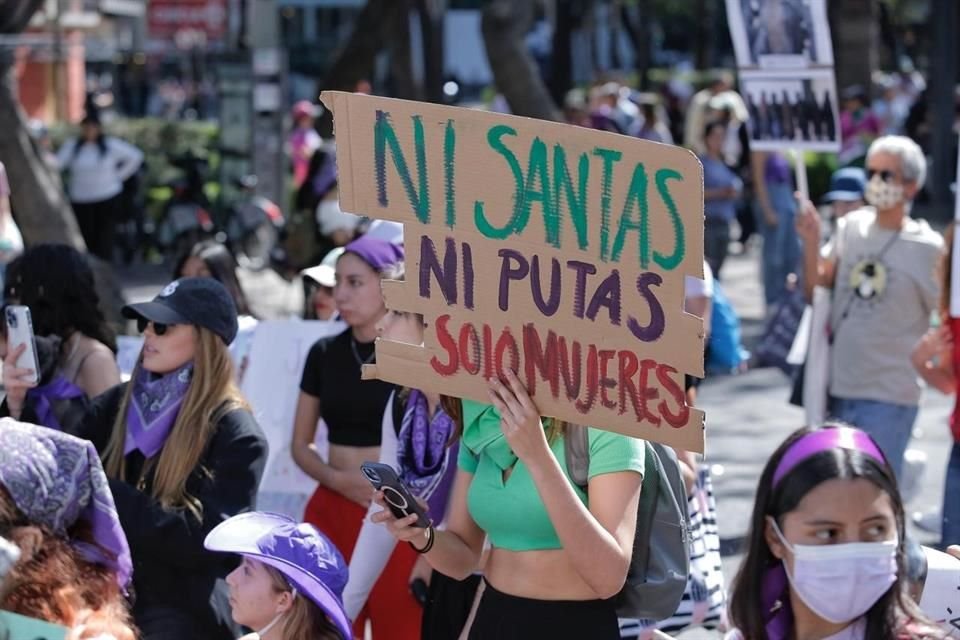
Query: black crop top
{"x": 351, "y": 407}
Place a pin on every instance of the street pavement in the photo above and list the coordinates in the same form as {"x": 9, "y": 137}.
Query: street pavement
{"x": 747, "y": 414}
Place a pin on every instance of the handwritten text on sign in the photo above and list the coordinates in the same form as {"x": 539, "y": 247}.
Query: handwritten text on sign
{"x": 555, "y": 251}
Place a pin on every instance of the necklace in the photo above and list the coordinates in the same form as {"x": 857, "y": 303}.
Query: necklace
{"x": 356, "y": 353}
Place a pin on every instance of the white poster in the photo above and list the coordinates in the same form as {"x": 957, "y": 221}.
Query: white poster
{"x": 785, "y": 61}
{"x": 792, "y": 110}
{"x": 780, "y": 34}
{"x": 271, "y": 385}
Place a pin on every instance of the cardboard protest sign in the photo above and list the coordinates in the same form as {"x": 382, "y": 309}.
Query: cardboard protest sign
{"x": 556, "y": 251}
{"x": 271, "y": 386}
{"x": 785, "y": 58}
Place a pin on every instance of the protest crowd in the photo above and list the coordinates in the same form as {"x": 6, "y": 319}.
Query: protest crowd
{"x": 171, "y": 482}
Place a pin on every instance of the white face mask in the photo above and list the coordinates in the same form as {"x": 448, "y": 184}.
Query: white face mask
{"x": 883, "y": 195}
{"x": 840, "y": 582}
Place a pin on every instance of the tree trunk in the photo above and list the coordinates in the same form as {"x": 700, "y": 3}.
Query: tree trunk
{"x": 40, "y": 208}
{"x": 561, "y": 60}
{"x": 401, "y": 60}
{"x": 640, "y": 32}
{"x": 855, "y": 40}
{"x": 431, "y": 30}
{"x": 377, "y": 25}
{"x": 504, "y": 24}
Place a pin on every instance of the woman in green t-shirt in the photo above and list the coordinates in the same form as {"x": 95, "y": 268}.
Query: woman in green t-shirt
{"x": 558, "y": 554}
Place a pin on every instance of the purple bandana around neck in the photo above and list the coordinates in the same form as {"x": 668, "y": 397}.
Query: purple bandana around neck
{"x": 57, "y": 389}
{"x": 426, "y": 462}
{"x": 55, "y": 480}
{"x": 154, "y": 406}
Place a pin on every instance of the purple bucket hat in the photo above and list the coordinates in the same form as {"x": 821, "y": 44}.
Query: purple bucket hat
{"x": 299, "y": 551}
{"x": 56, "y": 479}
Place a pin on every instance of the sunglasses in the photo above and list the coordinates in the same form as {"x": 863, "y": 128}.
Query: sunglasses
{"x": 886, "y": 175}
{"x": 158, "y": 327}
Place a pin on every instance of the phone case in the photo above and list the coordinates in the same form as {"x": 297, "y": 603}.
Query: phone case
{"x": 395, "y": 493}
{"x": 20, "y": 331}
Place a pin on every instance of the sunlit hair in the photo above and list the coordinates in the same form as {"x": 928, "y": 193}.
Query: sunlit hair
{"x": 211, "y": 395}
{"x": 305, "y": 620}
{"x": 56, "y": 584}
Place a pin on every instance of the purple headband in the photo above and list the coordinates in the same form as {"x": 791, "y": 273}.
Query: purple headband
{"x": 377, "y": 253}
{"x": 823, "y": 440}
{"x": 779, "y": 617}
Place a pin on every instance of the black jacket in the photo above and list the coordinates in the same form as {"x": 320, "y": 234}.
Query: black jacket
{"x": 173, "y": 573}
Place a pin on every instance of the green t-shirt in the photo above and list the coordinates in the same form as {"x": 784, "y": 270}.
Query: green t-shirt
{"x": 512, "y": 513}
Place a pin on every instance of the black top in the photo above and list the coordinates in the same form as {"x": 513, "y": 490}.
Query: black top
{"x": 172, "y": 572}
{"x": 351, "y": 407}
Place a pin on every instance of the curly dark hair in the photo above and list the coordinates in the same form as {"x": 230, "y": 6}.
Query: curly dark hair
{"x": 57, "y": 283}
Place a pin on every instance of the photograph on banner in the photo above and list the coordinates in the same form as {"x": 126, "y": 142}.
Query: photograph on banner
{"x": 792, "y": 110}
{"x": 780, "y": 34}
{"x": 271, "y": 386}
{"x": 555, "y": 251}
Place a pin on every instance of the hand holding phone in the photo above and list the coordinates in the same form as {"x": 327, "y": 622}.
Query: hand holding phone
{"x": 395, "y": 493}
{"x": 22, "y": 364}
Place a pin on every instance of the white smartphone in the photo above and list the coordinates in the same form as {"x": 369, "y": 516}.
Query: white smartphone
{"x": 20, "y": 331}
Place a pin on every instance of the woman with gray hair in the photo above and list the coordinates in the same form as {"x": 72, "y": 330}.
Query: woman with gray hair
{"x": 882, "y": 268}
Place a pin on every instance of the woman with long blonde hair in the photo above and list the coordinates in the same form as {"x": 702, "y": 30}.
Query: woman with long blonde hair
{"x": 183, "y": 453}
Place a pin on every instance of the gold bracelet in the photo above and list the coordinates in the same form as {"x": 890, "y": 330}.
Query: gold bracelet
{"x": 431, "y": 538}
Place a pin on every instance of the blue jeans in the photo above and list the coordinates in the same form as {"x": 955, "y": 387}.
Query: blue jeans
{"x": 781, "y": 245}
{"x": 951, "y": 499}
{"x": 888, "y": 424}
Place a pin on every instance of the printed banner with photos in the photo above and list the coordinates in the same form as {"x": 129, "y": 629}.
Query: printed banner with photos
{"x": 785, "y": 61}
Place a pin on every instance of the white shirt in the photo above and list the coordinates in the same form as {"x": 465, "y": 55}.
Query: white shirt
{"x": 96, "y": 176}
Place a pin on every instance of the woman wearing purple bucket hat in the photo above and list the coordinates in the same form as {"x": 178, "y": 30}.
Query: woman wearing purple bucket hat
{"x": 289, "y": 584}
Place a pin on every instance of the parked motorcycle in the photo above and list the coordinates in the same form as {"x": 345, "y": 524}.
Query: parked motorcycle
{"x": 187, "y": 217}
{"x": 254, "y": 227}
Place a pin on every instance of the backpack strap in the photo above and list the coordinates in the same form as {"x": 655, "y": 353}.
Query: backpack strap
{"x": 576, "y": 451}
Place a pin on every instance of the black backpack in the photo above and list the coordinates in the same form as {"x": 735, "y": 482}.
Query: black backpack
{"x": 661, "y": 557}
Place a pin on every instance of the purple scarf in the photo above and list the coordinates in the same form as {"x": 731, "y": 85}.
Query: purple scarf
{"x": 154, "y": 405}
{"x": 776, "y": 603}
{"x": 56, "y": 479}
{"x": 427, "y": 464}
{"x": 57, "y": 389}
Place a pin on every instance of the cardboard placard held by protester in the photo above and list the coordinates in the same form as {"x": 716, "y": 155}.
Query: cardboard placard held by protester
{"x": 557, "y": 251}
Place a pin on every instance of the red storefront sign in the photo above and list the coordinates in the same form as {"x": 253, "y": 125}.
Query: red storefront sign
{"x": 167, "y": 18}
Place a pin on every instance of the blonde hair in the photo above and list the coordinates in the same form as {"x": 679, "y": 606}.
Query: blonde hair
{"x": 305, "y": 620}
{"x": 211, "y": 395}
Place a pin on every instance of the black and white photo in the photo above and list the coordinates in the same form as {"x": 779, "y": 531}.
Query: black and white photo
{"x": 792, "y": 111}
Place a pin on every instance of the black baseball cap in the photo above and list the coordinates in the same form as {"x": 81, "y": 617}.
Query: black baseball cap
{"x": 202, "y": 302}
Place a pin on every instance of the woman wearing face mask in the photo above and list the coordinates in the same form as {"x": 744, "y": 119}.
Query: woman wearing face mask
{"x": 825, "y": 552}
{"x": 289, "y": 581}
{"x": 352, "y": 409}
{"x": 419, "y": 438}
{"x": 183, "y": 453}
